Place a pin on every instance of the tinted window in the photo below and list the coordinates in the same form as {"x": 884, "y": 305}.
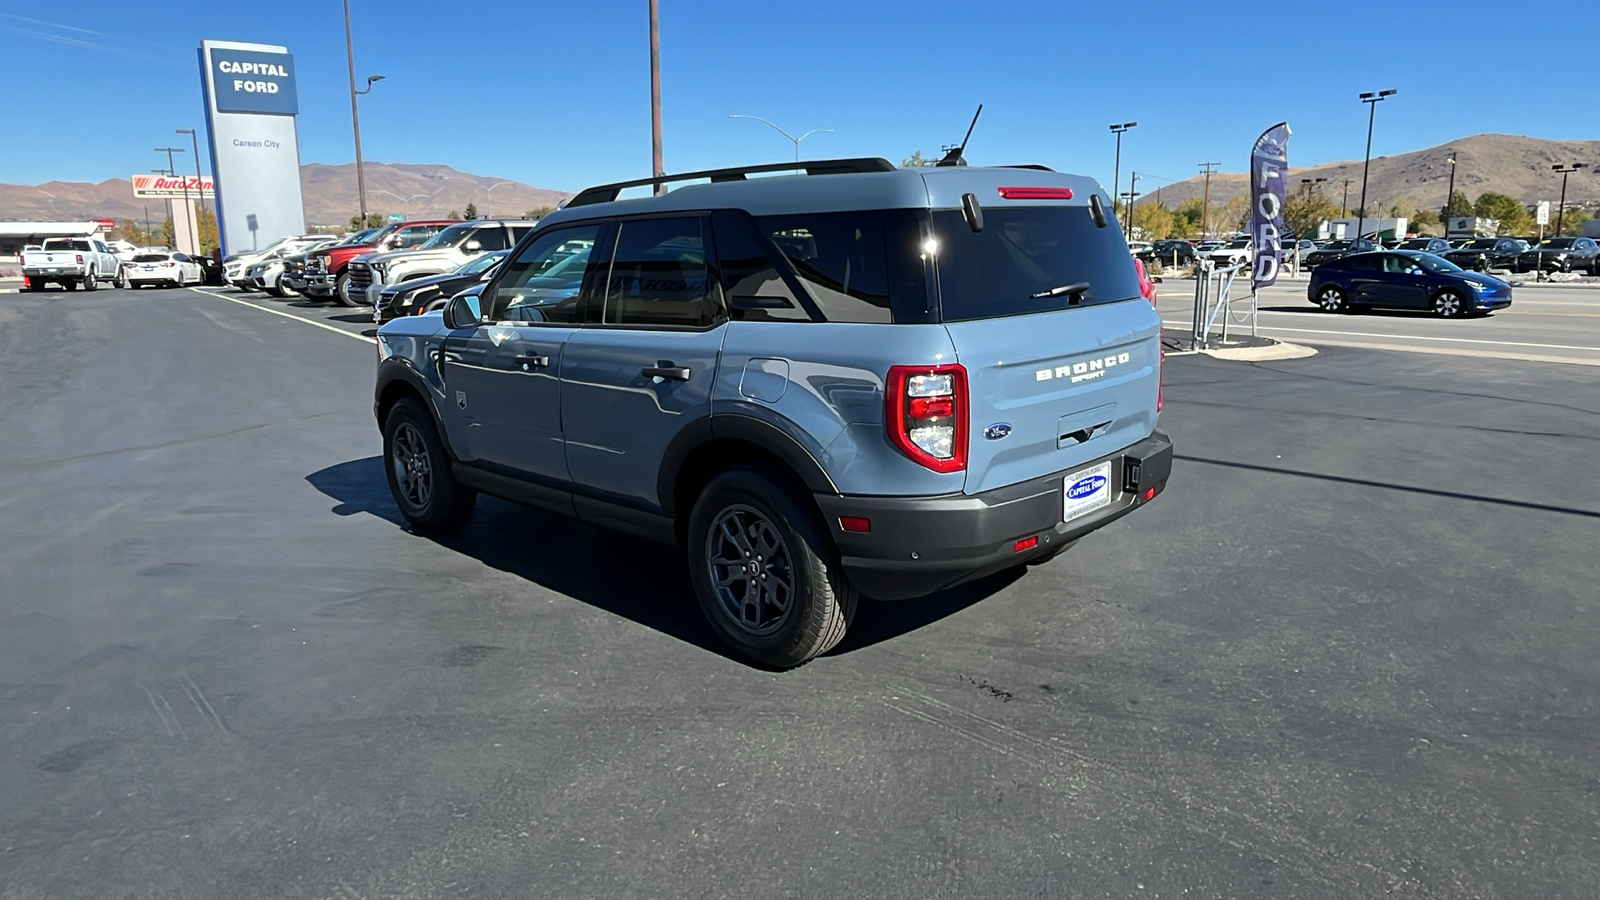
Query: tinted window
{"x": 1024, "y": 253}
{"x": 544, "y": 281}
{"x": 518, "y": 232}
{"x": 449, "y": 237}
{"x": 842, "y": 260}
{"x": 59, "y": 244}
{"x": 659, "y": 275}
{"x": 1362, "y": 263}
{"x": 492, "y": 237}
{"x": 150, "y": 258}
{"x": 751, "y": 281}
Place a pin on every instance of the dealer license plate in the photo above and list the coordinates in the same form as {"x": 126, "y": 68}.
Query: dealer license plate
{"x": 1085, "y": 491}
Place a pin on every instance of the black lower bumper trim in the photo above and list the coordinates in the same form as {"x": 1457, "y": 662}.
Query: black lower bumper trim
{"x": 919, "y": 545}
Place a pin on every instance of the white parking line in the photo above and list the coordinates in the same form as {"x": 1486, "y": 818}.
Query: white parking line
{"x": 1406, "y": 337}
{"x": 279, "y": 312}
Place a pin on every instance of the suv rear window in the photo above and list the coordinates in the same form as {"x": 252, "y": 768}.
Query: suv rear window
{"x": 862, "y": 266}
{"x": 1023, "y": 252}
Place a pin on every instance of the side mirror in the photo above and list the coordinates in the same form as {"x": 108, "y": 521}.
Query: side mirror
{"x": 473, "y": 246}
{"x": 464, "y": 310}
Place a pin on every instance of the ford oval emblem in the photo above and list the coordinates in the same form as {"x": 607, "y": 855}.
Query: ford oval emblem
{"x": 997, "y": 431}
{"x": 1086, "y": 487}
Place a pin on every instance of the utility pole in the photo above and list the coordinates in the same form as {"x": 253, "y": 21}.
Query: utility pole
{"x": 1205, "y": 205}
{"x": 656, "y": 168}
{"x": 1116, "y": 172}
{"x": 1133, "y": 191}
{"x": 1371, "y": 99}
{"x": 1449, "y": 195}
{"x": 1561, "y": 205}
{"x": 1344, "y": 199}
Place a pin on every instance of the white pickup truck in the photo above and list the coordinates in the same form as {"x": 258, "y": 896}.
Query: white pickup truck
{"x": 70, "y": 262}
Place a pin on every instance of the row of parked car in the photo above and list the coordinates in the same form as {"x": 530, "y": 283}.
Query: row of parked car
{"x": 1562, "y": 254}
{"x": 403, "y": 268}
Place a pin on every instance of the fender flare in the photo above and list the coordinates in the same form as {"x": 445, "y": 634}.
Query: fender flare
{"x": 748, "y": 429}
{"x": 396, "y": 369}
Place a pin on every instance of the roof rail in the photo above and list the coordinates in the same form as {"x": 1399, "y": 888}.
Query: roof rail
{"x": 606, "y": 193}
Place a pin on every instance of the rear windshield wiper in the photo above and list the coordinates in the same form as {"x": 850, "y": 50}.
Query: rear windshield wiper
{"x": 1077, "y": 288}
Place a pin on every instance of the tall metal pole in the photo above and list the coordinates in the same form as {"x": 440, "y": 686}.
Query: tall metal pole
{"x": 1133, "y": 191}
{"x": 1344, "y": 199}
{"x": 188, "y": 215}
{"x": 199, "y": 182}
{"x": 1205, "y": 205}
{"x": 656, "y": 168}
{"x": 1372, "y": 100}
{"x": 1561, "y": 205}
{"x": 1116, "y": 172}
{"x": 1449, "y": 196}
{"x": 355, "y": 114}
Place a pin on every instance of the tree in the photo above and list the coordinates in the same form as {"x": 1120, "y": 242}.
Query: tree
{"x": 1424, "y": 218}
{"x": 1459, "y": 205}
{"x": 1304, "y": 211}
{"x": 1572, "y": 222}
{"x": 1186, "y": 218}
{"x": 915, "y": 160}
{"x": 538, "y": 212}
{"x": 1151, "y": 222}
{"x": 374, "y": 220}
{"x": 454, "y": 214}
{"x": 206, "y": 222}
{"x": 168, "y": 233}
{"x": 1233, "y": 215}
{"x": 472, "y": 210}
{"x": 1512, "y": 217}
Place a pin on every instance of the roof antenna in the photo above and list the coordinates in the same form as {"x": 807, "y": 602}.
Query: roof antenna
{"x": 954, "y": 157}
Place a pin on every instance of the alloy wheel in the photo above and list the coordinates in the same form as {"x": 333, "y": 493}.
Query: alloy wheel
{"x": 413, "y": 471}
{"x": 751, "y": 570}
{"x": 1330, "y": 300}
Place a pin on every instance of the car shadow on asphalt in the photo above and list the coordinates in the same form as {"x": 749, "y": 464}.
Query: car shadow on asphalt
{"x": 636, "y": 579}
{"x": 1364, "y": 312}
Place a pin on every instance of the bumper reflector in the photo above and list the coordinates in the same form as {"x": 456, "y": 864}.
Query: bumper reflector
{"x": 858, "y": 524}
{"x": 1149, "y": 494}
{"x": 1025, "y": 544}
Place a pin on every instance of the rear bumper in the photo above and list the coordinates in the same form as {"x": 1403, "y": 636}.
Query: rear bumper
{"x": 919, "y": 545}
{"x": 43, "y": 273}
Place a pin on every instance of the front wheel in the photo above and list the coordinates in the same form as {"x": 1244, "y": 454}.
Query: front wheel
{"x": 1449, "y": 305}
{"x": 764, "y": 570}
{"x": 424, "y": 488}
{"x": 341, "y": 290}
{"x": 121, "y": 282}
{"x": 1332, "y": 300}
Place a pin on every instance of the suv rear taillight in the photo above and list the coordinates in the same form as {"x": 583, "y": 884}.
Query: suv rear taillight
{"x": 927, "y": 414}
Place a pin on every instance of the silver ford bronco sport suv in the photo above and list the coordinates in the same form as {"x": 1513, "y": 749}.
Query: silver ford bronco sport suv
{"x": 856, "y": 381}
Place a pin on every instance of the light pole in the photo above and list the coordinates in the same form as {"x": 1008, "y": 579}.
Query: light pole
{"x": 355, "y": 113}
{"x": 1344, "y": 199}
{"x": 786, "y": 134}
{"x": 1372, "y": 99}
{"x": 147, "y": 234}
{"x": 188, "y": 214}
{"x": 656, "y": 170}
{"x": 1130, "y": 193}
{"x": 1116, "y": 170}
{"x": 489, "y": 195}
{"x": 1205, "y": 204}
{"x": 1561, "y": 205}
{"x": 200, "y": 181}
{"x": 1449, "y": 195}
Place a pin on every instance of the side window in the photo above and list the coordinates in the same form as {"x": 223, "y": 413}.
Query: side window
{"x": 1362, "y": 263}
{"x": 413, "y": 235}
{"x": 180, "y": 257}
{"x": 518, "y": 232}
{"x": 544, "y": 283}
{"x": 490, "y": 237}
{"x": 750, "y": 278}
{"x": 840, "y": 259}
{"x": 659, "y": 275}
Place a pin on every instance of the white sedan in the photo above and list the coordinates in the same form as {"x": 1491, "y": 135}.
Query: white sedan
{"x": 162, "y": 267}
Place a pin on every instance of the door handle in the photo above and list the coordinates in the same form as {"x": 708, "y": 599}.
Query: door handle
{"x": 665, "y": 370}
{"x": 529, "y": 361}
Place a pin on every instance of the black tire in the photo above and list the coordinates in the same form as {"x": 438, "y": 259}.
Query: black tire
{"x": 341, "y": 290}
{"x": 749, "y": 517}
{"x": 69, "y": 284}
{"x": 91, "y": 282}
{"x": 418, "y": 470}
{"x": 1450, "y": 304}
{"x": 121, "y": 282}
{"x": 34, "y": 286}
{"x": 274, "y": 290}
{"x": 1332, "y": 299}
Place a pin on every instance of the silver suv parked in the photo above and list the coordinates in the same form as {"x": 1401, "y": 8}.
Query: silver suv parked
{"x": 857, "y": 381}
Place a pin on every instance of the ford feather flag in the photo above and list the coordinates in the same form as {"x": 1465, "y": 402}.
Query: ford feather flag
{"x": 1269, "y": 163}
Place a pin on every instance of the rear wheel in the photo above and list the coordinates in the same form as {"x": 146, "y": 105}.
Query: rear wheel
{"x": 91, "y": 282}
{"x": 1332, "y": 300}
{"x": 425, "y": 490}
{"x": 69, "y": 284}
{"x": 765, "y": 573}
{"x": 1449, "y": 304}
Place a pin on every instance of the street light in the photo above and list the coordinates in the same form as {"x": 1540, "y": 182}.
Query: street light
{"x": 1130, "y": 193}
{"x": 1116, "y": 172}
{"x": 1372, "y": 99}
{"x": 1449, "y": 195}
{"x": 786, "y": 134}
{"x": 188, "y": 215}
{"x": 489, "y": 193}
{"x": 355, "y": 113}
{"x": 1561, "y": 206}
{"x": 200, "y": 180}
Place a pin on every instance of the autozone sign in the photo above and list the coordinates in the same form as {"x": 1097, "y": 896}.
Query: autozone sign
{"x": 167, "y": 186}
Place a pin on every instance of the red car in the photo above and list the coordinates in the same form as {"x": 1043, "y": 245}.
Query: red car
{"x": 326, "y": 272}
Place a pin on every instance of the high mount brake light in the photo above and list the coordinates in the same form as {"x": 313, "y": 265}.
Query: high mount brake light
{"x": 927, "y": 414}
{"x": 1035, "y": 193}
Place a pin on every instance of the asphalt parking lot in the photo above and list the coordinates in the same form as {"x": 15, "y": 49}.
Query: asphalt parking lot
{"x": 1350, "y": 652}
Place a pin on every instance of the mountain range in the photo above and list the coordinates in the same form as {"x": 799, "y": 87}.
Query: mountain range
{"x": 415, "y": 191}
{"x": 1507, "y": 164}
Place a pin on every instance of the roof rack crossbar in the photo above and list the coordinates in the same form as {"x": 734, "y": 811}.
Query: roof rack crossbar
{"x": 606, "y": 193}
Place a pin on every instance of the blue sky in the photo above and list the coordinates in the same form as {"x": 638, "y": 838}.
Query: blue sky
{"x": 557, "y": 94}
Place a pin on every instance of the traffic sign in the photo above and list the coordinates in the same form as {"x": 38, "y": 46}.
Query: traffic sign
{"x": 1542, "y": 215}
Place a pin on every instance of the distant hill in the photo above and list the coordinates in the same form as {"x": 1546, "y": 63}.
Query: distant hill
{"x": 1503, "y": 163}
{"x": 415, "y": 191}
